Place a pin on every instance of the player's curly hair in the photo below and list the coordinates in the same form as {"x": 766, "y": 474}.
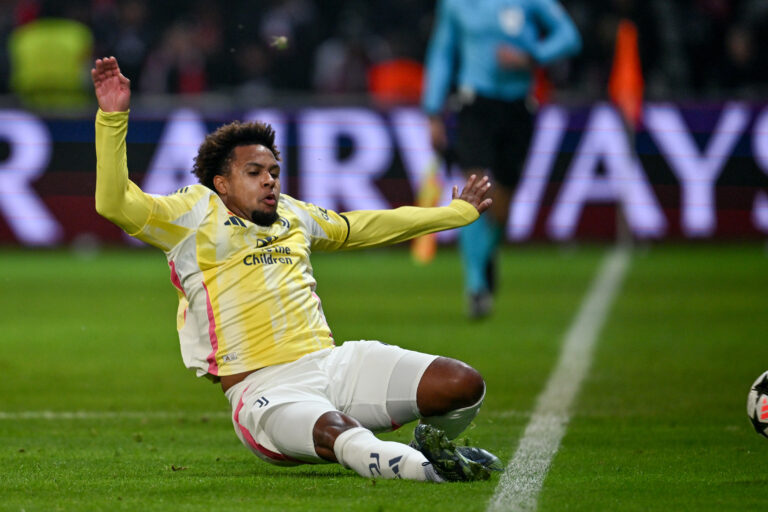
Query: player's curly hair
{"x": 216, "y": 152}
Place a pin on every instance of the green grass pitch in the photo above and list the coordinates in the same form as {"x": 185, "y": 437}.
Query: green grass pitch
{"x": 659, "y": 423}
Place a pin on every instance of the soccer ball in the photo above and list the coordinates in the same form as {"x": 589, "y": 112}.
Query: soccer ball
{"x": 757, "y": 404}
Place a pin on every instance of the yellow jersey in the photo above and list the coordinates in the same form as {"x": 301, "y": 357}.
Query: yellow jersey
{"x": 246, "y": 292}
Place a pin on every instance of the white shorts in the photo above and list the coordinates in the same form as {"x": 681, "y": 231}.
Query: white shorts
{"x": 274, "y": 410}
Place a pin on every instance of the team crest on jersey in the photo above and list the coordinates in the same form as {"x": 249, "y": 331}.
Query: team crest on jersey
{"x": 512, "y": 20}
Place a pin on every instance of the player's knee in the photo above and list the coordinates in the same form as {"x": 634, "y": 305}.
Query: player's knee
{"x": 327, "y": 428}
{"x": 467, "y": 386}
{"x": 448, "y": 385}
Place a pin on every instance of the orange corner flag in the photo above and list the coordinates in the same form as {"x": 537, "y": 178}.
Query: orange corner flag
{"x": 626, "y": 83}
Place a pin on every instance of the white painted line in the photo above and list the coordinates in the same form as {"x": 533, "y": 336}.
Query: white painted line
{"x": 521, "y": 482}
{"x": 107, "y": 415}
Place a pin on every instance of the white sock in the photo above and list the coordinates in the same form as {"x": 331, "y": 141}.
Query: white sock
{"x": 370, "y": 457}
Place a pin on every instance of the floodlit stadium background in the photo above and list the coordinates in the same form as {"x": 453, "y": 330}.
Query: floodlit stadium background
{"x": 343, "y": 97}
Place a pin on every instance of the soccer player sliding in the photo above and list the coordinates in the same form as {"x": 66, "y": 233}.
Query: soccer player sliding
{"x": 250, "y": 319}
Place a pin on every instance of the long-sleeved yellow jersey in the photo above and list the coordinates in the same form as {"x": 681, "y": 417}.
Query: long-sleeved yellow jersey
{"x": 246, "y": 292}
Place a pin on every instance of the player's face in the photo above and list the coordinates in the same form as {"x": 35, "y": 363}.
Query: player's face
{"x": 252, "y": 187}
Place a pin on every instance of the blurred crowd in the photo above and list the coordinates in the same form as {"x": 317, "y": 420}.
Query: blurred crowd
{"x": 688, "y": 48}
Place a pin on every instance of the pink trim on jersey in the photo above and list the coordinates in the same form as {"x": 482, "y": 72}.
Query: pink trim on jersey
{"x": 175, "y": 281}
{"x": 279, "y": 457}
{"x": 213, "y": 368}
{"x": 320, "y": 309}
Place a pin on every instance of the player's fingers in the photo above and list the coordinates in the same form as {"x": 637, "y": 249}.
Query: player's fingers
{"x": 476, "y": 189}
{"x": 484, "y": 205}
{"x": 105, "y": 65}
{"x": 455, "y": 192}
{"x": 482, "y": 188}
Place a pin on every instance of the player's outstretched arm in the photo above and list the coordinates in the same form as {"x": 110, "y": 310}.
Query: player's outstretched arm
{"x": 117, "y": 198}
{"x": 113, "y": 90}
{"x": 372, "y": 228}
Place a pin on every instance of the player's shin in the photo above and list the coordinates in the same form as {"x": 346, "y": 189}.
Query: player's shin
{"x": 358, "y": 449}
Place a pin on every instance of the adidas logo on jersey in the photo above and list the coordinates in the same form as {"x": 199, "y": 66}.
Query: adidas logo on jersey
{"x": 235, "y": 221}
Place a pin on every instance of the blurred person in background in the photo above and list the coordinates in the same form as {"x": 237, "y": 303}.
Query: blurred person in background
{"x": 298, "y": 22}
{"x": 49, "y": 56}
{"x": 125, "y": 31}
{"x": 396, "y": 74}
{"x": 177, "y": 65}
{"x": 190, "y": 58}
{"x": 739, "y": 58}
{"x": 705, "y": 27}
{"x": 492, "y": 48}
{"x": 342, "y": 61}
{"x": 745, "y": 70}
{"x": 398, "y": 77}
{"x": 253, "y": 63}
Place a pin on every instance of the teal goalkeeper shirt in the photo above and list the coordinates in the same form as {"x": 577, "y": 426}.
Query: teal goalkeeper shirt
{"x": 476, "y": 28}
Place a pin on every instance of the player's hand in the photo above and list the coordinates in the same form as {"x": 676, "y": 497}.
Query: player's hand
{"x": 512, "y": 57}
{"x": 474, "y": 192}
{"x": 113, "y": 90}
